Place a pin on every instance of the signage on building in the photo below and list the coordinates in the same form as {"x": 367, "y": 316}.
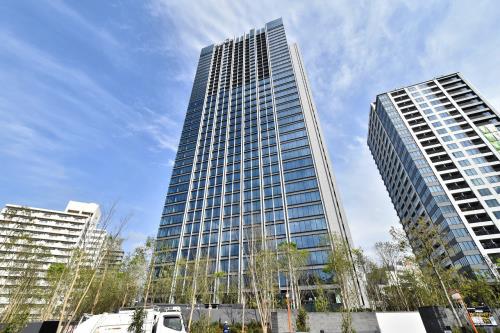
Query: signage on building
{"x": 481, "y": 316}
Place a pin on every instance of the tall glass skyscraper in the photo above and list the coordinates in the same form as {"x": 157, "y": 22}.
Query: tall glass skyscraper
{"x": 437, "y": 147}
{"x": 251, "y": 154}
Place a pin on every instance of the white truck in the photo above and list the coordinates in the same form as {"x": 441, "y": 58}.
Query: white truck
{"x": 157, "y": 320}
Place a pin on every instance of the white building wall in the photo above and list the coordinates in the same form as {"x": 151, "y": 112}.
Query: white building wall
{"x": 55, "y": 234}
{"x": 334, "y": 210}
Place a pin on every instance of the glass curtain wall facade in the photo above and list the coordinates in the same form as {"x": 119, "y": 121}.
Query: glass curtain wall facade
{"x": 436, "y": 147}
{"x": 251, "y": 154}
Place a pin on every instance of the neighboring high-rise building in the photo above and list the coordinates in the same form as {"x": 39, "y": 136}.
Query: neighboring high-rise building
{"x": 32, "y": 239}
{"x": 437, "y": 147}
{"x": 251, "y": 153}
{"x": 110, "y": 253}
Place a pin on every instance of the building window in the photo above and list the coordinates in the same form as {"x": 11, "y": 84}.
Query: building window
{"x": 471, "y": 172}
{"x": 492, "y": 203}
{"x": 484, "y": 192}
{"x": 475, "y": 259}
{"x": 477, "y": 181}
{"x": 493, "y": 179}
{"x": 464, "y": 163}
{"x": 304, "y": 211}
{"x": 442, "y": 131}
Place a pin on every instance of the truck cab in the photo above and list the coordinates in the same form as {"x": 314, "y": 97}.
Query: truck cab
{"x": 169, "y": 320}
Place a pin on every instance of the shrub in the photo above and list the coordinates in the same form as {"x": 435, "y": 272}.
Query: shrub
{"x": 250, "y": 327}
{"x": 301, "y": 320}
{"x": 137, "y": 320}
{"x": 321, "y": 302}
{"x": 203, "y": 325}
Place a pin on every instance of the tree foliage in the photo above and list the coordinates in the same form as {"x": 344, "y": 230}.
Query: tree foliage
{"x": 137, "y": 323}
{"x": 413, "y": 270}
{"x": 342, "y": 266}
{"x": 301, "y": 320}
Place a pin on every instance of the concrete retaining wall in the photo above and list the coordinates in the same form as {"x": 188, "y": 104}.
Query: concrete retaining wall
{"x": 326, "y": 322}
{"x": 363, "y": 322}
{"x": 229, "y": 314}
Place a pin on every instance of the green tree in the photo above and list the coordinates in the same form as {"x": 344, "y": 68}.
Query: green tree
{"x": 137, "y": 323}
{"x": 301, "y": 321}
{"x": 376, "y": 278}
{"x": 321, "y": 303}
{"x": 341, "y": 266}
{"x": 477, "y": 291}
{"x": 261, "y": 277}
{"x": 431, "y": 250}
{"x": 392, "y": 255}
{"x": 291, "y": 262}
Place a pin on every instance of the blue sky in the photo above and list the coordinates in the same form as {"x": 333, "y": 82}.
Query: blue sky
{"x": 93, "y": 93}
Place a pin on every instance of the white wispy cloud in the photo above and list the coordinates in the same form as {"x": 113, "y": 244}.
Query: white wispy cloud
{"x": 467, "y": 40}
{"x": 162, "y": 127}
{"x": 104, "y": 36}
{"x": 52, "y": 85}
{"x": 42, "y": 65}
{"x": 370, "y": 213}
{"x": 136, "y": 239}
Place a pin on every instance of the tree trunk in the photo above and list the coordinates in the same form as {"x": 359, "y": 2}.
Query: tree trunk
{"x": 193, "y": 300}
{"x": 66, "y": 298}
{"x": 49, "y": 308}
{"x": 441, "y": 282}
{"x": 124, "y": 301}
{"x": 401, "y": 294}
{"x": 150, "y": 276}
{"x": 98, "y": 293}
{"x": 346, "y": 316}
{"x": 243, "y": 317}
{"x": 258, "y": 301}
{"x": 193, "y": 297}
{"x": 80, "y": 301}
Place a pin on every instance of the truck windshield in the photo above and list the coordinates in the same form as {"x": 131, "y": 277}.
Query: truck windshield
{"x": 172, "y": 322}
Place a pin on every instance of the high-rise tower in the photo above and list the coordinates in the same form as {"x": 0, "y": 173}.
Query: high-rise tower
{"x": 437, "y": 147}
{"x": 251, "y": 153}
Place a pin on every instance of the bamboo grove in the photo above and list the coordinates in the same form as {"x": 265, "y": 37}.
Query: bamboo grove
{"x": 395, "y": 280}
{"x": 63, "y": 291}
